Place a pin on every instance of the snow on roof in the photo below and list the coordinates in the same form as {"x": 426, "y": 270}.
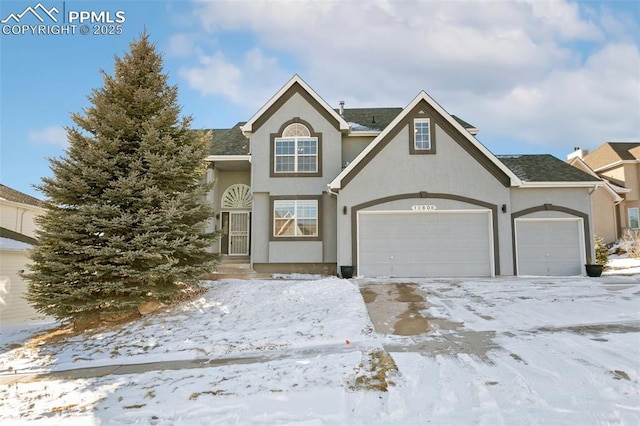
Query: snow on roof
{"x": 357, "y": 127}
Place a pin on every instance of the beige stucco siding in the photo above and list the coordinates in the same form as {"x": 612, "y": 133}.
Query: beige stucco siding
{"x": 352, "y": 146}
{"x": 632, "y": 181}
{"x": 604, "y": 215}
{"x": 264, "y": 186}
{"x": 261, "y": 165}
{"x": 260, "y": 228}
{"x": 574, "y": 198}
{"x": 450, "y": 171}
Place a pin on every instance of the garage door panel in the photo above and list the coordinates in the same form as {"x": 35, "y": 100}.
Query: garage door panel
{"x": 549, "y": 247}
{"x": 425, "y": 244}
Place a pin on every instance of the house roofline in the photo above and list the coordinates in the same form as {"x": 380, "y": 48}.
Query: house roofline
{"x": 562, "y": 184}
{"x": 23, "y": 205}
{"x": 613, "y": 190}
{"x": 247, "y": 128}
{"x": 615, "y": 164}
{"x": 336, "y": 183}
{"x": 222, "y": 158}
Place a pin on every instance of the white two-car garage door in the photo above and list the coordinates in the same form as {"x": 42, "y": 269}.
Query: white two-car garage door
{"x": 425, "y": 244}
{"x": 549, "y": 246}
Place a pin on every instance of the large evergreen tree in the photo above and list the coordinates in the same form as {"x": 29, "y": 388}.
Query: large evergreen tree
{"x": 125, "y": 212}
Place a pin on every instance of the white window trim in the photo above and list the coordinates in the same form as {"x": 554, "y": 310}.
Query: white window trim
{"x": 295, "y": 219}
{"x": 637, "y": 216}
{"x": 295, "y": 155}
{"x": 415, "y": 133}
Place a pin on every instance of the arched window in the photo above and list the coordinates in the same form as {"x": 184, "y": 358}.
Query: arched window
{"x": 237, "y": 197}
{"x": 296, "y": 151}
{"x": 296, "y": 130}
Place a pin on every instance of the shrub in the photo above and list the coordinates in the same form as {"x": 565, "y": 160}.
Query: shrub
{"x": 630, "y": 242}
{"x": 602, "y": 252}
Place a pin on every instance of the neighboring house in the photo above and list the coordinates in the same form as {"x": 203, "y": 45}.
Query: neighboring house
{"x": 616, "y": 206}
{"x": 17, "y": 235}
{"x": 605, "y": 201}
{"x": 303, "y": 187}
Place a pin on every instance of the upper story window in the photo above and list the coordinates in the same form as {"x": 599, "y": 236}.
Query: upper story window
{"x": 422, "y": 134}
{"x": 296, "y": 152}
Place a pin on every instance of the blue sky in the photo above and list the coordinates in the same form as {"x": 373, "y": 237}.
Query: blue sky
{"x": 534, "y": 76}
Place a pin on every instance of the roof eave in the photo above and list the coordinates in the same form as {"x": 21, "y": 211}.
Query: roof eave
{"x": 337, "y": 182}
{"x": 216, "y": 158}
{"x": 247, "y": 128}
{"x": 23, "y": 205}
{"x": 615, "y": 164}
{"x": 563, "y": 184}
{"x": 364, "y": 133}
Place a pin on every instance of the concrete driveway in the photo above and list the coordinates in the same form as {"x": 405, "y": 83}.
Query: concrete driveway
{"x": 428, "y": 316}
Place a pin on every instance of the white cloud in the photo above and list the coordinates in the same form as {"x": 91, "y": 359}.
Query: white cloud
{"x": 54, "y": 135}
{"x": 248, "y": 83}
{"x": 181, "y": 45}
{"x": 549, "y": 72}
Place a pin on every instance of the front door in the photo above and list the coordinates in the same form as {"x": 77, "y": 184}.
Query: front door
{"x": 239, "y": 233}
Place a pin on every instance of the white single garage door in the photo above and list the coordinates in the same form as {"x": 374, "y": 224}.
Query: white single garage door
{"x": 552, "y": 247}
{"x": 425, "y": 244}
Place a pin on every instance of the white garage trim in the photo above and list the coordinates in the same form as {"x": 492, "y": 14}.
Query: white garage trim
{"x": 485, "y": 212}
{"x": 579, "y": 242}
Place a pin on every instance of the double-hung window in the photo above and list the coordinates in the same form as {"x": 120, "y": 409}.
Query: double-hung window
{"x": 295, "y": 218}
{"x": 634, "y": 218}
{"x": 422, "y": 134}
{"x": 296, "y": 151}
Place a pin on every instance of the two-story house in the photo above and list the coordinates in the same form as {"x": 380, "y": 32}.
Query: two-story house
{"x": 304, "y": 187}
{"x": 618, "y": 205}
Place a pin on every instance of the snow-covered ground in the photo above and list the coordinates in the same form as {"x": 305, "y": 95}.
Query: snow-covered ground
{"x": 302, "y": 351}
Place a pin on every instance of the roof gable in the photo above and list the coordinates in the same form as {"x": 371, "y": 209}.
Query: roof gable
{"x": 293, "y": 86}
{"x": 450, "y": 125}
{"x": 611, "y": 153}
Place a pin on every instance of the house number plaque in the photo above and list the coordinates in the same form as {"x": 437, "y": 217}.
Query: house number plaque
{"x": 424, "y": 207}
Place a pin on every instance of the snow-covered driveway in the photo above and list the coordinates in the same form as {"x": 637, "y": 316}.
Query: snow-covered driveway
{"x": 496, "y": 351}
{"x": 519, "y": 351}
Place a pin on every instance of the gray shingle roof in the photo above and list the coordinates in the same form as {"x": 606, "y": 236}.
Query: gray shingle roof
{"x": 371, "y": 118}
{"x": 233, "y": 142}
{"x": 228, "y": 141}
{"x": 544, "y": 168}
{"x": 11, "y": 194}
{"x": 379, "y": 118}
{"x": 626, "y": 150}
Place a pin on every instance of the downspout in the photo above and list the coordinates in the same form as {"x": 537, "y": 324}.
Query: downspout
{"x": 592, "y": 255}
{"x": 22, "y": 221}
{"x": 335, "y": 194}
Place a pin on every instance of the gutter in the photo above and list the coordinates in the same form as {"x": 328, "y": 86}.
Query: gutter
{"x": 533, "y": 185}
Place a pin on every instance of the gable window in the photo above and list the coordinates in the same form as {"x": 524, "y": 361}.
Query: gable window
{"x": 634, "y": 218}
{"x": 422, "y": 134}
{"x": 296, "y": 151}
{"x": 295, "y": 218}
